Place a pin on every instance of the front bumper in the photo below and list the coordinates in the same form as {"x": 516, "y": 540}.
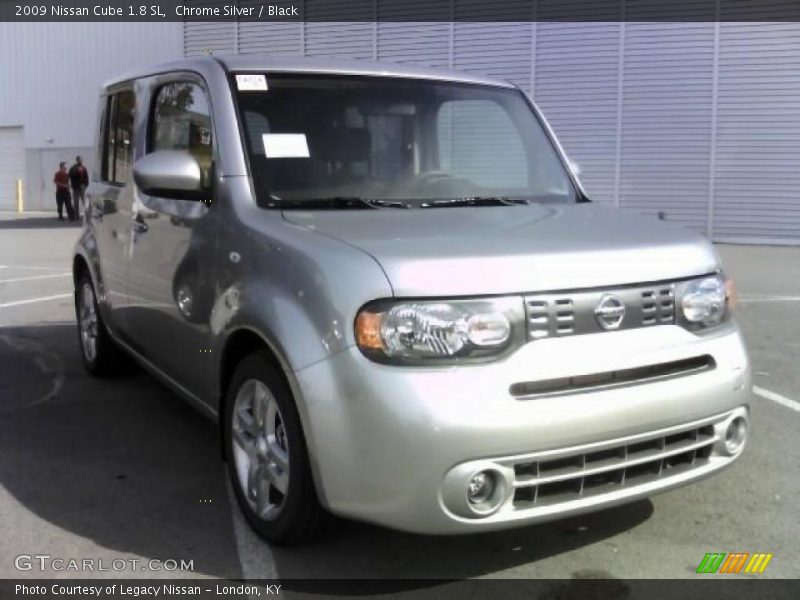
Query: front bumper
{"x": 393, "y": 445}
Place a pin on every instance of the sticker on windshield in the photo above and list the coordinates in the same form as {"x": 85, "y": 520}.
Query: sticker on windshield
{"x": 251, "y": 83}
{"x": 285, "y": 145}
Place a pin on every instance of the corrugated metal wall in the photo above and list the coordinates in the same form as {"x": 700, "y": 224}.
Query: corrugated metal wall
{"x": 576, "y": 82}
{"x": 665, "y": 145}
{"x": 697, "y": 120}
{"x": 757, "y": 161}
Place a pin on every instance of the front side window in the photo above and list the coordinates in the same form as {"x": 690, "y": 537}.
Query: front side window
{"x": 182, "y": 121}
{"x": 314, "y": 137}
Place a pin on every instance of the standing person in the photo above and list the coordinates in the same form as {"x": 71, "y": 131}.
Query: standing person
{"x": 79, "y": 180}
{"x": 61, "y": 179}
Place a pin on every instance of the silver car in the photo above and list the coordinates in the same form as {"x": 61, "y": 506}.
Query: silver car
{"x": 388, "y": 287}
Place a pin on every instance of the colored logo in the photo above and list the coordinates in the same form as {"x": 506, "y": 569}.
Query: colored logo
{"x": 734, "y": 563}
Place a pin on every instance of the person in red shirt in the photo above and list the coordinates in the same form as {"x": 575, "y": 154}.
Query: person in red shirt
{"x": 61, "y": 179}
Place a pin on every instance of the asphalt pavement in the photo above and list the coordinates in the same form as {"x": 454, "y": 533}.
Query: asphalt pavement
{"x": 125, "y": 470}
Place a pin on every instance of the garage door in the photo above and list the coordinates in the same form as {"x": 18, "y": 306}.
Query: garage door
{"x": 12, "y": 164}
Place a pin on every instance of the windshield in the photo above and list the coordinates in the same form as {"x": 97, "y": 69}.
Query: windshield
{"x": 392, "y": 142}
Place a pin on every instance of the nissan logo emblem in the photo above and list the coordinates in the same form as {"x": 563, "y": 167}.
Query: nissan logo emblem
{"x": 610, "y": 312}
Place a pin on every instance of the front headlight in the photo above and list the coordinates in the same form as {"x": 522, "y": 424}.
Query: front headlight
{"x": 422, "y": 332}
{"x": 703, "y": 302}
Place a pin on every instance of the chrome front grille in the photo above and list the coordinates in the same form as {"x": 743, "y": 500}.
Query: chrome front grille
{"x": 658, "y": 306}
{"x": 545, "y": 481}
{"x": 557, "y": 481}
{"x": 573, "y": 313}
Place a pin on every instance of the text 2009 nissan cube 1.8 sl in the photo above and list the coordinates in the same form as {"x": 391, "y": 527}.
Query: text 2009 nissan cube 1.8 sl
{"x": 388, "y": 287}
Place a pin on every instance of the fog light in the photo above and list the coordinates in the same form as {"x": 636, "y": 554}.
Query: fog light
{"x": 735, "y": 435}
{"x": 480, "y": 487}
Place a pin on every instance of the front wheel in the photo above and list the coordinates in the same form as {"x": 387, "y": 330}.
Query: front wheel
{"x": 267, "y": 456}
{"x": 101, "y": 356}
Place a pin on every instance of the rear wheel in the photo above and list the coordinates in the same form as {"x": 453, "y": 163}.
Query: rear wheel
{"x": 101, "y": 355}
{"x": 267, "y": 456}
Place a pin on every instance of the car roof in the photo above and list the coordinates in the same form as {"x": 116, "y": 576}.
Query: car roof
{"x": 297, "y": 64}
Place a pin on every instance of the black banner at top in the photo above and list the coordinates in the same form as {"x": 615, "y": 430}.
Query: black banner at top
{"x": 400, "y": 10}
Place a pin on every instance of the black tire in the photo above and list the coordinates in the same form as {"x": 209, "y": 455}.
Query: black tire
{"x": 300, "y": 517}
{"x": 106, "y": 360}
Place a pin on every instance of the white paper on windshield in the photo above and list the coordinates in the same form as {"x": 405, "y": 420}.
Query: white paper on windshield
{"x": 251, "y": 83}
{"x": 285, "y": 145}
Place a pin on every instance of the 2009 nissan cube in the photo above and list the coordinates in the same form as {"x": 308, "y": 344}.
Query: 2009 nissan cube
{"x": 389, "y": 288}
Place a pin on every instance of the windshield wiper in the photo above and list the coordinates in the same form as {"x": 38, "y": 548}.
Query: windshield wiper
{"x": 475, "y": 201}
{"x": 361, "y": 203}
{"x": 336, "y": 203}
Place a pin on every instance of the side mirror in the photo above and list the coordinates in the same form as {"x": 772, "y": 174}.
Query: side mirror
{"x": 170, "y": 174}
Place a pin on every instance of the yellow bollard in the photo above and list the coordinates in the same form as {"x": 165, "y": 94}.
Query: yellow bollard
{"x": 20, "y": 198}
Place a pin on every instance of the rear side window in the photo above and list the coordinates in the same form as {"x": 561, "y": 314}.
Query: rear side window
{"x": 117, "y": 139}
{"x": 182, "y": 121}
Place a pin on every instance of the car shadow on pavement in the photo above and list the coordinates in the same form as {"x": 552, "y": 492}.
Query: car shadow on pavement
{"x": 357, "y": 550}
{"x": 132, "y": 467}
{"x": 122, "y": 462}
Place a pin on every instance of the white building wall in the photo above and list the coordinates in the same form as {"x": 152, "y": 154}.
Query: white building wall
{"x": 50, "y": 75}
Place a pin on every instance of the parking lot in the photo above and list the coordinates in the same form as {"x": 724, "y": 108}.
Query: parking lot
{"x": 125, "y": 469}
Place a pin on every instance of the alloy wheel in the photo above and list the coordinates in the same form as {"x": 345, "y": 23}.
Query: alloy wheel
{"x": 88, "y": 322}
{"x": 260, "y": 449}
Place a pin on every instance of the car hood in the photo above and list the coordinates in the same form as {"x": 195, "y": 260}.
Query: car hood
{"x": 512, "y": 249}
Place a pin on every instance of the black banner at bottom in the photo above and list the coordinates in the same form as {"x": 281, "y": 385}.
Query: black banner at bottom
{"x": 709, "y": 588}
